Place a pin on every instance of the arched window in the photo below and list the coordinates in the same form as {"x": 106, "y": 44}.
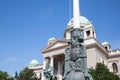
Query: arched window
{"x": 115, "y": 68}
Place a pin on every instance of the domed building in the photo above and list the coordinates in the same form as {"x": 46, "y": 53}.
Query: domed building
{"x": 84, "y": 24}
{"x": 53, "y": 53}
{"x": 33, "y": 63}
{"x": 36, "y": 67}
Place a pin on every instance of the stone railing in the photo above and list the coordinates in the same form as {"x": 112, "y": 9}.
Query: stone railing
{"x": 117, "y": 51}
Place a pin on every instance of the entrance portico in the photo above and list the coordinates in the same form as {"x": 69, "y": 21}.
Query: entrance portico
{"x": 55, "y": 58}
{"x": 57, "y": 62}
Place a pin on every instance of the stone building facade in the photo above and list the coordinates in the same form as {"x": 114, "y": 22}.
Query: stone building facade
{"x": 97, "y": 52}
{"x": 36, "y": 67}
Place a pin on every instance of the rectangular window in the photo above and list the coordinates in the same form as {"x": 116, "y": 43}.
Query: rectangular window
{"x": 88, "y": 33}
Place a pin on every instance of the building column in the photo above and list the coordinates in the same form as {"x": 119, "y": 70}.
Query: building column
{"x": 44, "y": 65}
{"x": 91, "y": 33}
{"x": 51, "y": 61}
{"x": 59, "y": 71}
{"x": 119, "y": 67}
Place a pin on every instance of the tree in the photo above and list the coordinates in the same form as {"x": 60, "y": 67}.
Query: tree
{"x": 16, "y": 75}
{"x": 11, "y": 78}
{"x": 3, "y": 75}
{"x": 26, "y": 74}
{"x": 101, "y": 72}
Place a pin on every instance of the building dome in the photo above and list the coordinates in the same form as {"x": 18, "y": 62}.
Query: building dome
{"x": 105, "y": 43}
{"x": 84, "y": 22}
{"x": 51, "y": 40}
{"x": 33, "y": 63}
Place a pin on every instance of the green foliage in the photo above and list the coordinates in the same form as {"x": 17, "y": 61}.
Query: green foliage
{"x": 16, "y": 75}
{"x": 26, "y": 74}
{"x": 101, "y": 72}
{"x": 3, "y": 75}
{"x": 11, "y": 78}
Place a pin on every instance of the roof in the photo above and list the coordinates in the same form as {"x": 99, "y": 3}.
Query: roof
{"x": 105, "y": 43}
{"x": 33, "y": 63}
{"x": 55, "y": 44}
{"x": 83, "y": 22}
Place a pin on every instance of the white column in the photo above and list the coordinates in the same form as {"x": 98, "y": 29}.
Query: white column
{"x": 91, "y": 33}
{"x": 59, "y": 71}
{"x": 44, "y": 65}
{"x": 76, "y": 14}
{"x": 119, "y": 67}
{"x": 51, "y": 61}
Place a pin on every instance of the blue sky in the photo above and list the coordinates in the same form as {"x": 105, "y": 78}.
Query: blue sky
{"x": 26, "y": 26}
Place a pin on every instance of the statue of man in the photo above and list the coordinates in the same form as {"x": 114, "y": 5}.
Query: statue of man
{"x": 76, "y": 57}
{"x": 48, "y": 72}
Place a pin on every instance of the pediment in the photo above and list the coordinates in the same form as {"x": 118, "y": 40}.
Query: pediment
{"x": 55, "y": 45}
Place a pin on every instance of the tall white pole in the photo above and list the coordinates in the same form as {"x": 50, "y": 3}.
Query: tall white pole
{"x": 76, "y": 12}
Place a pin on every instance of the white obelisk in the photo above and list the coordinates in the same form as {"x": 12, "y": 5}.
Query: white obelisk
{"x": 76, "y": 16}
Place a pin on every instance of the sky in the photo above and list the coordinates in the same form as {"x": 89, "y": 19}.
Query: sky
{"x": 26, "y": 26}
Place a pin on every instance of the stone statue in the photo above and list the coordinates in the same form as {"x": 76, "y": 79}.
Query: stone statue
{"x": 76, "y": 58}
{"x": 49, "y": 74}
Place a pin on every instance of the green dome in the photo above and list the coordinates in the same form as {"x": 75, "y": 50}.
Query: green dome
{"x": 33, "y": 63}
{"x": 105, "y": 43}
{"x": 83, "y": 22}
